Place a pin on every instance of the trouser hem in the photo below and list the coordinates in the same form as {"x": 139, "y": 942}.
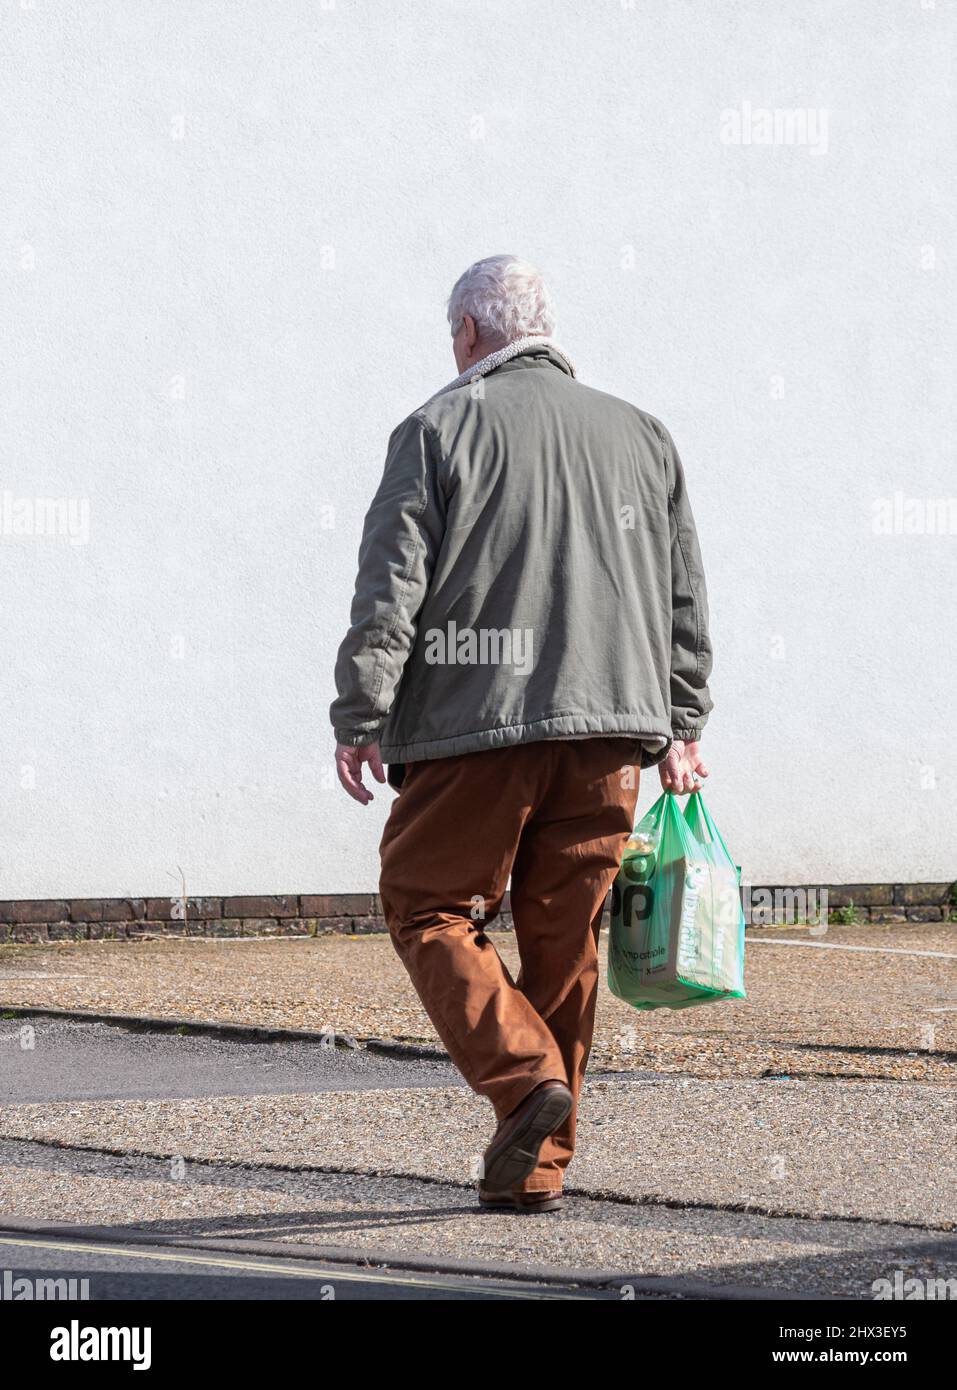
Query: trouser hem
{"x": 522, "y": 1090}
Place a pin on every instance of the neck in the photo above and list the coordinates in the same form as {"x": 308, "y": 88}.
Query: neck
{"x": 502, "y": 354}
{"x": 484, "y": 347}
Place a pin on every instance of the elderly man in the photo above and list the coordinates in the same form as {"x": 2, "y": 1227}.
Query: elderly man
{"x": 529, "y": 629}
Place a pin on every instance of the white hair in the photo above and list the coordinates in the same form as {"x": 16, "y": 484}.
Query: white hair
{"x": 506, "y": 297}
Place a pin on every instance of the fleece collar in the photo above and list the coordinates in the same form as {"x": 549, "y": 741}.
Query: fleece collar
{"x": 505, "y": 354}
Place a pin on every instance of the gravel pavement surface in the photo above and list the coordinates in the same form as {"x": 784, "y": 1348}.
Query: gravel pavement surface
{"x": 809, "y": 1012}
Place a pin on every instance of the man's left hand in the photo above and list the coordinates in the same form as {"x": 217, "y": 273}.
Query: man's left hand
{"x": 682, "y": 770}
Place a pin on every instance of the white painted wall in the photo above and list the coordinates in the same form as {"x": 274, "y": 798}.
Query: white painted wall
{"x": 184, "y": 355}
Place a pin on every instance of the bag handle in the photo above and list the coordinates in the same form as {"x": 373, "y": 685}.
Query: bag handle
{"x": 702, "y": 824}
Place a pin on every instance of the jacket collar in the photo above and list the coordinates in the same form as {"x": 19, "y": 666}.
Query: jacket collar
{"x": 545, "y": 349}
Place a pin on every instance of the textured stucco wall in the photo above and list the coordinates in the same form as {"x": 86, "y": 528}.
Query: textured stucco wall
{"x": 228, "y": 232}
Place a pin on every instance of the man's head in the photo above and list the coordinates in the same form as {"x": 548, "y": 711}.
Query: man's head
{"x": 494, "y": 303}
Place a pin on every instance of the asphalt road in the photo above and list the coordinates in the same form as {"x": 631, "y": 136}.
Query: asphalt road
{"x": 98, "y": 1061}
{"x": 161, "y": 1272}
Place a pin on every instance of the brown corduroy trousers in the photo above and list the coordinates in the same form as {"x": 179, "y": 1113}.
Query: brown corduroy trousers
{"x": 556, "y": 815}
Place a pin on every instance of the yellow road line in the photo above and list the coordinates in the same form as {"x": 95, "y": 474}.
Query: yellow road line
{"x": 132, "y": 1252}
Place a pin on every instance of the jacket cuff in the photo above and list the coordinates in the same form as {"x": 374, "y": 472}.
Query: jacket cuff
{"x": 356, "y": 740}
{"x": 687, "y": 735}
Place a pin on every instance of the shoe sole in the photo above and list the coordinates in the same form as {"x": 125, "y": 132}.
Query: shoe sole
{"x": 518, "y": 1154}
{"x": 522, "y": 1208}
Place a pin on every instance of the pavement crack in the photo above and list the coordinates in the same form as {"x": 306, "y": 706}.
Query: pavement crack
{"x": 588, "y": 1195}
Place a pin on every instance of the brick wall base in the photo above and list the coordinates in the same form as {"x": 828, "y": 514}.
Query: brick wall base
{"x": 91, "y": 919}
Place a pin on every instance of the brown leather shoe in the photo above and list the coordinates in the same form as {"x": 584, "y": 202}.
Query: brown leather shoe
{"x": 526, "y": 1202}
{"x": 513, "y": 1152}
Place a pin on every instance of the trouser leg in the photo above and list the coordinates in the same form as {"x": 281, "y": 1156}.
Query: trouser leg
{"x": 570, "y": 852}
{"x": 446, "y": 853}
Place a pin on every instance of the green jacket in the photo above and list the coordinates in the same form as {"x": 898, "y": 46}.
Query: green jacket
{"x": 529, "y": 569}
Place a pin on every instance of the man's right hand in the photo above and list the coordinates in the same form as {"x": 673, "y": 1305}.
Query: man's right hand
{"x": 682, "y": 770}
{"x": 349, "y": 762}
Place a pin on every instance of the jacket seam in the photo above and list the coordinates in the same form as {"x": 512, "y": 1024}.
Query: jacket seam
{"x": 438, "y": 457}
{"x": 400, "y": 598}
{"x": 532, "y": 723}
{"x": 691, "y": 587}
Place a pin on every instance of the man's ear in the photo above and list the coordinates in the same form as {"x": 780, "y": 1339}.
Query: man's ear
{"x": 471, "y": 331}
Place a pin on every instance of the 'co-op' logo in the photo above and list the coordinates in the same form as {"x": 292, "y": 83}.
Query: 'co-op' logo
{"x": 634, "y": 904}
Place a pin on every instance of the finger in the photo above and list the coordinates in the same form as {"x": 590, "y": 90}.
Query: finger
{"x": 701, "y": 770}
{"x": 375, "y": 764}
{"x": 349, "y": 784}
{"x": 343, "y": 772}
{"x": 347, "y": 765}
{"x": 358, "y": 792}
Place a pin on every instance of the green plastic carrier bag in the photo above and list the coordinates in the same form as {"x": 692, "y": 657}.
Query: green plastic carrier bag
{"x": 677, "y": 925}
